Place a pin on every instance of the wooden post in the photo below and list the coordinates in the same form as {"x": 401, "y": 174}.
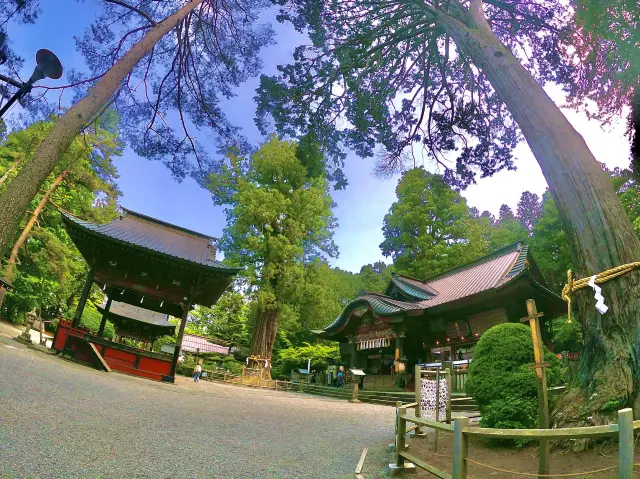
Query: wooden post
{"x": 105, "y": 315}
{"x": 418, "y": 396}
{"x": 401, "y": 428}
{"x": 625, "y": 444}
{"x": 460, "y": 448}
{"x": 435, "y": 435}
{"x": 186, "y": 307}
{"x": 354, "y": 394}
{"x": 83, "y": 299}
{"x": 448, "y": 412}
{"x": 543, "y": 399}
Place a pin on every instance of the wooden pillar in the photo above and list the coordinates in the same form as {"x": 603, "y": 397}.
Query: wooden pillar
{"x": 460, "y": 448}
{"x": 625, "y": 444}
{"x": 418, "y": 396}
{"x": 83, "y": 299}
{"x": 352, "y": 354}
{"x": 176, "y": 354}
{"x": 543, "y": 399}
{"x": 107, "y": 307}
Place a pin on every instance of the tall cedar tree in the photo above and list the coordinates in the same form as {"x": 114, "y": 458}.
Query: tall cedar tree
{"x": 165, "y": 65}
{"x": 278, "y": 217}
{"x": 428, "y": 230}
{"x": 464, "y": 80}
{"x": 529, "y": 210}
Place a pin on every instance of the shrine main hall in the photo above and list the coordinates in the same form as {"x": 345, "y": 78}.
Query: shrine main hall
{"x": 443, "y": 317}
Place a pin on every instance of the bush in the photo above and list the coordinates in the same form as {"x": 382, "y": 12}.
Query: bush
{"x": 321, "y": 356}
{"x": 501, "y": 380}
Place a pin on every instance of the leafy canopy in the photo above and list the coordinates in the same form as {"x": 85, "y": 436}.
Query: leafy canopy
{"x": 387, "y": 73}
{"x": 50, "y": 270}
{"x": 278, "y": 217}
{"x": 429, "y": 229}
{"x": 226, "y": 320}
{"x": 172, "y": 98}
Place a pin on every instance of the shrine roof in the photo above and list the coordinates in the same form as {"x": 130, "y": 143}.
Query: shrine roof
{"x": 137, "y": 313}
{"x": 146, "y": 233}
{"x": 490, "y": 272}
{"x": 192, "y": 342}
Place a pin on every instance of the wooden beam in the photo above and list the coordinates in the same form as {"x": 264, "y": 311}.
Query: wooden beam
{"x": 361, "y": 461}
{"x": 100, "y": 358}
{"x": 185, "y": 315}
{"x": 83, "y": 299}
{"x": 105, "y": 315}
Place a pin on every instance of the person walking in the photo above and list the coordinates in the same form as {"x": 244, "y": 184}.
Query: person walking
{"x": 340, "y": 379}
{"x": 196, "y": 373}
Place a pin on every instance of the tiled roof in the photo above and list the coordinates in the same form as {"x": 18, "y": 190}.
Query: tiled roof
{"x": 137, "y": 313}
{"x": 486, "y": 273}
{"x": 191, "y": 343}
{"x": 151, "y": 234}
{"x": 489, "y": 272}
{"x": 412, "y": 287}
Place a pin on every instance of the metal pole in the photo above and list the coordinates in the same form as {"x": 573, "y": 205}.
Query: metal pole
{"x": 22, "y": 92}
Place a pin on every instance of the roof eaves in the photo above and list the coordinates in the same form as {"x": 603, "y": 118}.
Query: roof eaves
{"x": 216, "y": 265}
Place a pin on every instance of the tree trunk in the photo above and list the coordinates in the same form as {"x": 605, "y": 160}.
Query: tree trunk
{"x": 10, "y": 271}
{"x": 25, "y": 186}
{"x": 264, "y": 336}
{"x": 600, "y": 233}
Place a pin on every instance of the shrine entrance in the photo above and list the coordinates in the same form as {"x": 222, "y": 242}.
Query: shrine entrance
{"x": 159, "y": 268}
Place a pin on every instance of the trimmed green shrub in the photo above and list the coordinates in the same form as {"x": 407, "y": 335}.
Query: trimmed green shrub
{"x": 502, "y": 381}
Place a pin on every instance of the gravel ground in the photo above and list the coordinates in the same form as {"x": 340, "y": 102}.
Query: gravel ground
{"x": 59, "y": 419}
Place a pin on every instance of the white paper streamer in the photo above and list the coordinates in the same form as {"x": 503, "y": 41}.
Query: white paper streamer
{"x": 600, "y": 306}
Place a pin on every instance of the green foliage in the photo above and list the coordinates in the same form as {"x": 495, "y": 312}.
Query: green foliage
{"x": 51, "y": 272}
{"x": 321, "y": 356}
{"x": 550, "y": 246}
{"x": 326, "y": 291}
{"x": 566, "y": 336}
{"x": 226, "y": 320}
{"x": 278, "y": 219}
{"x": 501, "y": 381}
{"x": 381, "y": 75}
{"x": 508, "y": 230}
{"x": 91, "y": 319}
{"x": 375, "y": 277}
{"x": 427, "y": 231}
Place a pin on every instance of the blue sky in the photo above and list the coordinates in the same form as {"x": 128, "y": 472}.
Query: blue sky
{"x": 148, "y": 187}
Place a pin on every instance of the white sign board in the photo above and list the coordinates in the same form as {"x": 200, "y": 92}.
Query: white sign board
{"x": 428, "y": 399}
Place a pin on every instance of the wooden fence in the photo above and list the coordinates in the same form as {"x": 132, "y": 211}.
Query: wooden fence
{"x": 459, "y": 381}
{"x": 461, "y": 431}
{"x": 253, "y": 381}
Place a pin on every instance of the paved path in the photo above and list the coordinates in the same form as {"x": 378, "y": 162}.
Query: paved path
{"x": 59, "y": 419}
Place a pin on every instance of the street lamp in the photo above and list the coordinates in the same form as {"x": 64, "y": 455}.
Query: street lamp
{"x": 47, "y": 65}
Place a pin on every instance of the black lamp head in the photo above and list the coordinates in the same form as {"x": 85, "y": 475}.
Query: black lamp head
{"x": 48, "y": 65}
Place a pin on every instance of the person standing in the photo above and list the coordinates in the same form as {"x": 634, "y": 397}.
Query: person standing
{"x": 196, "y": 373}
{"x": 340, "y": 379}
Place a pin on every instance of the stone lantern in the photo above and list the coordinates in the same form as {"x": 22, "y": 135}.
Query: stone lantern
{"x": 25, "y": 337}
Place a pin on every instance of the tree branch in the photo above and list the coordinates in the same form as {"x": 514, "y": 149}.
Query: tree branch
{"x": 133, "y": 9}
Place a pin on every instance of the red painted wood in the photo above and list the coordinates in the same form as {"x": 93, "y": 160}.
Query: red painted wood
{"x": 155, "y": 365}
{"x": 118, "y": 360}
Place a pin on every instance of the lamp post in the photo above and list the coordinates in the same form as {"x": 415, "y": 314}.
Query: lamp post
{"x": 47, "y": 65}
